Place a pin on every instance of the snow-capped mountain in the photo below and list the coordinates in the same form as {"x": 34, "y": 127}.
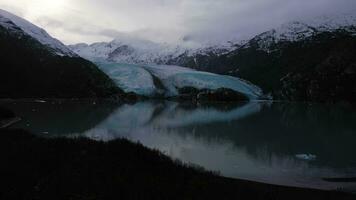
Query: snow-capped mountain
{"x": 301, "y": 60}
{"x": 299, "y": 30}
{"x": 128, "y": 50}
{"x": 138, "y": 51}
{"x": 19, "y": 25}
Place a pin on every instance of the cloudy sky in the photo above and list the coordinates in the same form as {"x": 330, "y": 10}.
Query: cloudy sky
{"x": 199, "y": 21}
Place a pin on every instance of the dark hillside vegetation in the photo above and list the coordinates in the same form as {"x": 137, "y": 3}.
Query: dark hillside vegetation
{"x": 318, "y": 68}
{"x": 30, "y": 69}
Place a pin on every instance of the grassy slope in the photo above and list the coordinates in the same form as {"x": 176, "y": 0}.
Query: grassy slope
{"x": 30, "y": 69}
{"x": 39, "y": 168}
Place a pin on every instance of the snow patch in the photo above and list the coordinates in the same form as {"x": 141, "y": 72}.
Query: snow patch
{"x": 14, "y": 23}
{"x": 299, "y": 30}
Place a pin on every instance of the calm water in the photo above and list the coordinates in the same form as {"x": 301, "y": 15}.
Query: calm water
{"x": 260, "y": 141}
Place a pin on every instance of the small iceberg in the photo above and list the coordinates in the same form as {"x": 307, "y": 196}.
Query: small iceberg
{"x": 306, "y": 156}
{"x": 39, "y": 101}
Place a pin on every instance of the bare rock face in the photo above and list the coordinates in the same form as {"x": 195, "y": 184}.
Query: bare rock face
{"x": 123, "y": 50}
{"x": 221, "y": 94}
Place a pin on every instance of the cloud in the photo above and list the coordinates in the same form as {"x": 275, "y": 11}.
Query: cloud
{"x": 199, "y": 21}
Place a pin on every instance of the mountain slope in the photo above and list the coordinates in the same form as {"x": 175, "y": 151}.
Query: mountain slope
{"x": 37, "y": 33}
{"x": 44, "y": 67}
{"x": 298, "y": 61}
{"x": 132, "y": 50}
{"x": 319, "y": 68}
{"x": 307, "y": 60}
{"x": 128, "y": 50}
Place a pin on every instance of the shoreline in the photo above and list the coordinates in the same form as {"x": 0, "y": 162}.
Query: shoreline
{"x": 9, "y": 122}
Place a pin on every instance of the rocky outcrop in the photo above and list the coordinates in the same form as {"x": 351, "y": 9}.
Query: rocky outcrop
{"x": 221, "y": 94}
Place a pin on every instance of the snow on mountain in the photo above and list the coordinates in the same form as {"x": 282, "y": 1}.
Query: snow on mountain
{"x": 17, "y": 24}
{"x": 299, "y": 30}
{"x": 140, "y": 79}
{"x": 129, "y": 50}
{"x": 133, "y": 50}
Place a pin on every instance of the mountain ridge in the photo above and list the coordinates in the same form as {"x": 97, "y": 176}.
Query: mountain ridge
{"x": 141, "y": 51}
{"x": 12, "y": 21}
{"x": 298, "y": 61}
{"x": 32, "y": 69}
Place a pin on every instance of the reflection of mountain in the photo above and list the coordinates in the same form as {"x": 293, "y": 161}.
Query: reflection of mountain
{"x": 60, "y": 117}
{"x": 129, "y": 119}
{"x": 289, "y": 129}
{"x": 124, "y": 121}
{"x": 255, "y": 141}
{"x": 280, "y": 129}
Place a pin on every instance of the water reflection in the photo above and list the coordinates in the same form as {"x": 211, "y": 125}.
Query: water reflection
{"x": 256, "y": 141}
{"x": 59, "y": 117}
{"x": 148, "y": 117}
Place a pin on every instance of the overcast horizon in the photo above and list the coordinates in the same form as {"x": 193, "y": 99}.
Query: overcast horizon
{"x": 199, "y": 21}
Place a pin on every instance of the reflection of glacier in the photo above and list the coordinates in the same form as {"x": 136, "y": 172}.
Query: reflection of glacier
{"x": 129, "y": 119}
{"x": 175, "y": 117}
{"x": 124, "y": 121}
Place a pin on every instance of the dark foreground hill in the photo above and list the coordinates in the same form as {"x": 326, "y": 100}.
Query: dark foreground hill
{"x": 77, "y": 169}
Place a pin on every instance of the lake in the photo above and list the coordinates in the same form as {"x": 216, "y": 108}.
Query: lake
{"x": 295, "y": 144}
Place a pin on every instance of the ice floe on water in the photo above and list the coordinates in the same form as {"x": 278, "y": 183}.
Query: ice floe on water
{"x": 306, "y": 156}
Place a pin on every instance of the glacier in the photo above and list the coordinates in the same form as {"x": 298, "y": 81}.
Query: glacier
{"x": 140, "y": 79}
{"x": 175, "y": 77}
{"x": 131, "y": 78}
